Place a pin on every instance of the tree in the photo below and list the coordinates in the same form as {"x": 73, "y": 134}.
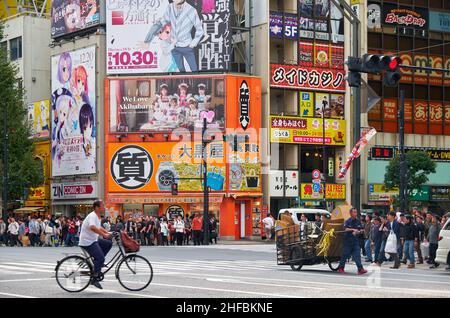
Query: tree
{"x": 24, "y": 170}
{"x": 418, "y": 167}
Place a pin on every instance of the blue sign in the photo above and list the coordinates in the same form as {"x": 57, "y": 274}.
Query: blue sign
{"x": 316, "y": 187}
{"x": 276, "y": 24}
{"x": 439, "y": 21}
{"x": 291, "y": 26}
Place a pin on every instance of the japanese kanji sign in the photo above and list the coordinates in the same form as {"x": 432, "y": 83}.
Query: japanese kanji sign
{"x": 334, "y": 192}
{"x": 299, "y": 130}
{"x": 284, "y": 185}
{"x": 324, "y": 79}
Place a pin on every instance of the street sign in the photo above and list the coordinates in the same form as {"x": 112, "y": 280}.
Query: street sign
{"x": 316, "y": 187}
{"x": 316, "y": 174}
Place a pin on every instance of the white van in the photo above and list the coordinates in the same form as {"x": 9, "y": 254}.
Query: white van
{"x": 310, "y": 214}
{"x": 443, "y": 252}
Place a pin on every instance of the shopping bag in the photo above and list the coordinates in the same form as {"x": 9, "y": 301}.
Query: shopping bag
{"x": 252, "y": 179}
{"x": 425, "y": 249}
{"x": 391, "y": 243}
{"x": 215, "y": 179}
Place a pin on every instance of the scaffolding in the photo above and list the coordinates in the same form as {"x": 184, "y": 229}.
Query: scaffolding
{"x": 13, "y": 8}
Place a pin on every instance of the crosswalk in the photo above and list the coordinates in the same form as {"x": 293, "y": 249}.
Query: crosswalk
{"x": 39, "y": 268}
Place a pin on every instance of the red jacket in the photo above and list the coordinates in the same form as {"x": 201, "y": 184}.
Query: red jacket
{"x": 197, "y": 224}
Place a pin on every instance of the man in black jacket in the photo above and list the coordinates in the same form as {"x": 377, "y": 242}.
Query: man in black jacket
{"x": 411, "y": 236}
{"x": 421, "y": 230}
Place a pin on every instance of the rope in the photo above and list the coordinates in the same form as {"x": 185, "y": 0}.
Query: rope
{"x": 325, "y": 243}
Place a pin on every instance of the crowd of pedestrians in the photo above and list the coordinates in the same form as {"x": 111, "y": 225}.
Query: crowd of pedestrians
{"x": 148, "y": 230}
{"x": 415, "y": 233}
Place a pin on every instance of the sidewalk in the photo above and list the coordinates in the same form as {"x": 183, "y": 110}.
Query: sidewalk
{"x": 245, "y": 242}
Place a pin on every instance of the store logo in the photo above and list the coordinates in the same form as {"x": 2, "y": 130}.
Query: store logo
{"x": 244, "y": 102}
{"x": 373, "y": 16}
{"x": 173, "y": 211}
{"x": 131, "y": 167}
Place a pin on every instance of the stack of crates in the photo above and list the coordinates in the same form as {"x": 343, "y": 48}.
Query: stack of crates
{"x": 285, "y": 238}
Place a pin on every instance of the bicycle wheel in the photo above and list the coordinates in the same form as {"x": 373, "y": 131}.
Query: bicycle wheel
{"x": 134, "y": 272}
{"x": 73, "y": 274}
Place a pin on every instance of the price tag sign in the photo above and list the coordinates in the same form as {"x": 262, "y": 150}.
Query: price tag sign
{"x": 130, "y": 59}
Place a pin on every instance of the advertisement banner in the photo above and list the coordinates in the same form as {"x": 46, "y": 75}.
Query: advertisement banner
{"x": 289, "y": 76}
{"x": 276, "y": 24}
{"x": 299, "y": 130}
{"x": 39, "y": 118}
{"x": 440, "y": 21}
{"x": 38, "y": 193}
{"x": 153, "y": 167}
{"x": 74, "y": 190}
{"x": 405, "y": 17}
{"x": 440, "y": 193}
{"x": 337, "y": 56}
{"x": 290, "y": 26}
{"x": 284, "y": 186}
{"x": 333, "y": 191}
{"x": 322, "y": 55}
{"x": 378, "y": 192}
{"x": 306, "y": 104}
{"x": 306, "y": 54}
{"x": 69, "y": 16}
{"x": 373, "y": 16}
{"x": 74, "y": 113}
{"x": 162, "y": 105}
{"x": 168, "y": 37}
{"x": 276, "y": 183}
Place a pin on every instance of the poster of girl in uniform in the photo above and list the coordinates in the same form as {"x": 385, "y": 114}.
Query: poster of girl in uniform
{"x": 73, "y": 129}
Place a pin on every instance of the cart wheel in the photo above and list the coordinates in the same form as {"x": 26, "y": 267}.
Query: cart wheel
{"x": 297, "y": 253}
{"x": 334, "y": 266}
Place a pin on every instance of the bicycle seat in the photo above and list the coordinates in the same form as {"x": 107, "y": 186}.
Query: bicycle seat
{"x": 85, "y": 251}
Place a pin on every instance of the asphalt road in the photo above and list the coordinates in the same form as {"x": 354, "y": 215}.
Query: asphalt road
{"x": 219, "y": 271}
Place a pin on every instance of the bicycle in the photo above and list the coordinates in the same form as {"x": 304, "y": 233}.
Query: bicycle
{"x": 75, "y": 272}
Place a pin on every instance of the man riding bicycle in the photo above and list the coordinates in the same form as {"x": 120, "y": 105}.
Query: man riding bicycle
{"x": 89, "y": 240}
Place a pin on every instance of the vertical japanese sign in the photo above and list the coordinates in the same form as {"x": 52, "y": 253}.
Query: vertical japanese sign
{"x": 161, "y": 36}
{"x": 74, "y": 113}
{"x": 276, "y": 24}
{"x": 39, "y": 119}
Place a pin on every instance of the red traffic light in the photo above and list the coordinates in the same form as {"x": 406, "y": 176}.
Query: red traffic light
{"x": 395, "y": 63}
{"x": 174, "y": 188}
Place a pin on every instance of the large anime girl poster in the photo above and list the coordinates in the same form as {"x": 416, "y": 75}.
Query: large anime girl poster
{"x": 73, "y": 131}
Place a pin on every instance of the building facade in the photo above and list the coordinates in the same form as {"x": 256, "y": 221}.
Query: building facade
{"x": 422, "y": 43}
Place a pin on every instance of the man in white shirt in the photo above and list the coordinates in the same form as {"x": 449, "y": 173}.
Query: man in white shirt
{"x": 179, "y": 229}
{"x": 268, "y": 225}
{"x": 89, "y": 239}
{"x": 13, "y": 230}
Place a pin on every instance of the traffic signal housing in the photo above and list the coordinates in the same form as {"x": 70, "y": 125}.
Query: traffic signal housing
{"x": 174, "y": 188}
{"x": 374, "y": 64}
{"x": 392, "y": 66}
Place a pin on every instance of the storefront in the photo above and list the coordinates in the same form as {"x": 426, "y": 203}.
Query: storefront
{"x": 74, "y": 198}
{"x": 154, "y": 140}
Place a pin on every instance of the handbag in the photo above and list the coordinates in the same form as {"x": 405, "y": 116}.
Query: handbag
{"x": 215, "y": 179}
{"x": 130, "y": 245}
{"x": 252, "y": 179}
{"x": 391, "y": 243}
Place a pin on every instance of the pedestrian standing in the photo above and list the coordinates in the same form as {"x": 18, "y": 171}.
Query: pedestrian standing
{"x": 130, "y": 227}
{"x": 150, "y": 231}
{"x": 2, "y": 233}
{"x": 367, "y": 241}
{"x": 179, "y": 230}
{"x": 212, "y": 229}
{"x": 411, "y": 237}
{"x": 197, "y": 225}
{"x": 421, "y": 230}
{"x": 269, "y": 223}
{"x": 402, "y": 221}
{"x": 376, "y": 237}
{"x": 13, "y": 230}
{"x": 384, "y": 229}
{"x": 164, "y": 232}
{"x": 172, "y": 233}
{"x": 188, "y": 229}
{"x": 393, "y": 241}
{"x": 143, "y": 227}
{"x": 353, "y": 229}
{"x": 157, "y": 231}
{"x": 107, "y": 224}
{"x": 22, "y": 231}
{"x": 48, "y": 230}
{"x": 433, "y": 238}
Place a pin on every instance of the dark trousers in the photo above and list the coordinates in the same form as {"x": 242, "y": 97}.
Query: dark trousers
{"x": 142, "y": 237}
{"x": 33, "y": 239}
{"x": 433, "y": 250}
{"x": 165, "y": 241}
{"x": 351, "y": 248}
{"x": 197, "y": 237}
{"x": 179, "y": 236}
{"x": 396, "y": 259}
{"x": 14, "y": 240}
{"x": 98, "y": 251}
{"x": 419, "y": 251}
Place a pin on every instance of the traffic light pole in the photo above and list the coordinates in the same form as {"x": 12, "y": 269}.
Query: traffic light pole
{"x": 403, "y": 184}
{"x": 5, "y": 165}
{"x": 205, "y": 187}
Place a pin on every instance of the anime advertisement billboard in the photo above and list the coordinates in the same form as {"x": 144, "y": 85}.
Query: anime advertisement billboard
{"x": 73, "y": 115}
{"x": 39, "y": 119}
{"x": 69, "y": 16}
{"x": 165, "y": 36}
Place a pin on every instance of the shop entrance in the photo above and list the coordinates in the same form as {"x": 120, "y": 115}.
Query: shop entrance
{"x": 240, "y": 220}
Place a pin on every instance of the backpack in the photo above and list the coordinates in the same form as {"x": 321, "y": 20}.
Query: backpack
{"x": 130, "y": 245}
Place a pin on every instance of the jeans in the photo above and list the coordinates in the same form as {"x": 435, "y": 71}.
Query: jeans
{"x": 377, "y": 251}
{"x": 98, "y": 250}
{"x": 368, "y": 250}
{"x": 179, "y": 236}
{"x": 181, "y": 53}
{"x": 400, "y": 250}
{"x": 351, "y": 248}
{"x": 69, "y": 240}
{"x": 409, "y": 251}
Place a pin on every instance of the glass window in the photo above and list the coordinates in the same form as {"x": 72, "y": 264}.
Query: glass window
{"x": 151, "y": 210}
{"x": 15, "y": 48}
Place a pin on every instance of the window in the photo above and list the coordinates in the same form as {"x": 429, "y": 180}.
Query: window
{"x": 3, "y": 51}
{"x": 15, "y": 48}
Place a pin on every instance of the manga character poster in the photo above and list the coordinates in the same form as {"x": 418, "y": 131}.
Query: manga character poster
{"x": 73, "y": 117}
{"x": 69, "y": 16}
{"x": 168, "y": 36}
{"x": 38, "y": 117}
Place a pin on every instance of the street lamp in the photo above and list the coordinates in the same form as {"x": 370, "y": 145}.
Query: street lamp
{"x": 205, "y": 185}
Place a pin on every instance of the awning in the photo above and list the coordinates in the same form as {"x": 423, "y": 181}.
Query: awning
{"x": 168, "y": 199}
{"x": 29, "y": 210}
{"x": 74, "y": 202}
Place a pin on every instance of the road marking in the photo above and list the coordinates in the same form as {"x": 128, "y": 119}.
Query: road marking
{"x": 25, "y": 269}
{"x": 24, "y": 280}
{"x": 15, "y": 295}
{"x": 99, "y": 291}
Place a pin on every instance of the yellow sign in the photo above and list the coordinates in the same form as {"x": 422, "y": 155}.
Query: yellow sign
{"x": 37, "y": 193}
{"x": 299, "y": 130}
{"x": 378, "y": 192}
{"x": 306, "y": 104}
{"x": 334, "y": 192}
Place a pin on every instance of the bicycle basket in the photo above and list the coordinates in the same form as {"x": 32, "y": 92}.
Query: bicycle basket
{"x": 130, "y": 245}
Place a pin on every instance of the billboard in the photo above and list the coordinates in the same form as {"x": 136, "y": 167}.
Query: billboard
{"x": 73, "y": 116}
{"x": 324, "y": 79}
{"x": 39, "y": 119}
{"x": 440, "y": 21}
{"x": 334, "y": 192}
{"x": 405, "y": 17}
{"x": 70, "y": 16}
{"x": 162, "y": 105}
{"x": 168, "y": 36}
{"x": 298, "y": 130}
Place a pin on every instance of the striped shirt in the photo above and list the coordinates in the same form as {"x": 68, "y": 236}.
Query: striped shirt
{"x": 182, "y": 23}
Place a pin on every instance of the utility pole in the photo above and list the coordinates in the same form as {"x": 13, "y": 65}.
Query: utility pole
{"x": 205, "y": 186}
{"x": 5, "y": 163}
{"x": 324, "y": 155}
{"x": 403, "y": 184}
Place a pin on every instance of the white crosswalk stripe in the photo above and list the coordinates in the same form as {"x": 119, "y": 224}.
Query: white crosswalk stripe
{"x": 8, "y": 268}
